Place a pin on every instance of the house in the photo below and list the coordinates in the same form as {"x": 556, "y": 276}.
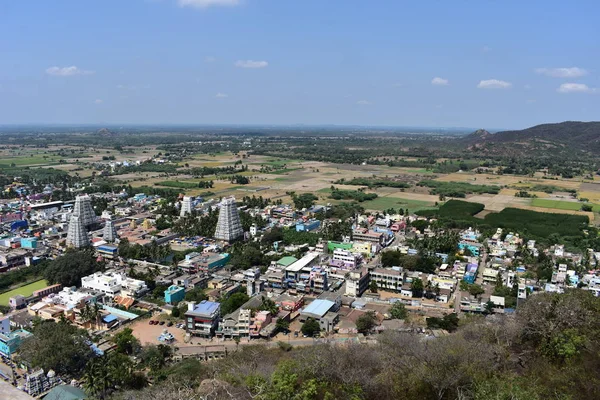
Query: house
{"x": 174, "y": 294}
{"x": 10, "y": 341}
{"x": 113, "y": 283}
{"x": 202, "y": 319}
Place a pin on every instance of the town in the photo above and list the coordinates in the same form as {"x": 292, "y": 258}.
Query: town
{"x": 291, "y": 277}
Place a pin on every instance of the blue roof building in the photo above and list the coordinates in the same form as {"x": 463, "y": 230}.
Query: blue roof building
{"x": 174, "y": 294}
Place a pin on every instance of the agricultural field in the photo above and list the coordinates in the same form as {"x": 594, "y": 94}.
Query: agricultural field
{"x": 26, "y": 291}
{"x": 562, "y": 205}
{"x": 384, "y": 203}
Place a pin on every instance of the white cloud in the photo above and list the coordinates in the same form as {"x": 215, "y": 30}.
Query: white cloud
{"x": 67, "y": 71}
{"x": 527, "y": 87}
{"x": 221, "y": 95}
{"x": 531, "y": 101}
{"x": 363, "y": 102}
{"x": 575, "y": 88}
{"x": 210, "y": 59}
{"x": 493, "y": 84}
{"x": 251, "y": 64}
{"x": 486, "y": 49}
{"x": 207, "y": 3}
{"x": 571, "y": 72}
{"x": 98, "y": 101}
{"x": 439, "y": 81}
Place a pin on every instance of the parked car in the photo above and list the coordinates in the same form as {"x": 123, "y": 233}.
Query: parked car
{"x": 161, "y": 322}
{"x": 170, "y": 323}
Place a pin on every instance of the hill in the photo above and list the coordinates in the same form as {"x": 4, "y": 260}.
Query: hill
{"x": 560, "y": 138}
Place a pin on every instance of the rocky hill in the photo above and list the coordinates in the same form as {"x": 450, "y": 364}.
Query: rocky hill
{"x": 563, "y": 137}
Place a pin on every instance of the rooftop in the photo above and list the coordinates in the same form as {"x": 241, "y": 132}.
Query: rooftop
{"x": 319, "y": 307}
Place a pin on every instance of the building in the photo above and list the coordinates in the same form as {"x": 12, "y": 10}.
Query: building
{"x": 229, "y": 227}
{"x": 387, "y": 278}
{"x": 345, "y": 259}
{"x": 308, "y": 225}
{"x": 321, "y": 311}
{"x": 77, "y": 235}
{"x": 29, "y": 243}
{"x": 83, "y": 208}
{"x": 365, "y": 235}
{"x": 174, "y": 294}
{"x": 357, "y": 283}
{"x": 109, "y": 233}
{"x": 294, "y": 271}
{"x": 206, "y": 262}
{"x": 202, "y": 319}
{"x": 114, "y": 283}
{"x": 47, "y": 290}
{"x": 108, "y": 250}
{"x": 10, "y": 341}
{"x": 186, "y": 206}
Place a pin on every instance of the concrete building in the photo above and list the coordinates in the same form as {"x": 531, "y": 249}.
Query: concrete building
{"x": 113, "y": 283}
{"x": 321, "y": 311}
{"x": 83, "y": 208}
{"x": 77, "y": 235}
{"x": 186, "y": 206}
{"x": 357, "y": 283}
{"x": 229, "y": 226}
{"x": 174, "y": 294}
{"x": 387, "y": 278}
{"x": 202, "y": 319}
{"x": 206, "y": 262}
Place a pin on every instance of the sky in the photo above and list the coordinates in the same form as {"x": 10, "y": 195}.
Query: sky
{"x": 451, "y": 63}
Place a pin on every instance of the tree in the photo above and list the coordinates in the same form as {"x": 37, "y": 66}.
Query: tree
{"x": 233, "y": 302}
{"x": 282, "y": 325}
{"x": 366, "y": 322}
{"x": 103, "y": 374}
{"x": 61, "y": 347}
{"x": 72, "y": 266}
{"x": 126, "y": 342}
{"x": 398, "y": 311}
{"x": 373, "y": 287}
{"x": 155, "y": 356}
{"x": 305, "y": 200}
{"x": 310, "y": 327}
{"x": 476, "y": 290}
{"x": 417, "y": 287}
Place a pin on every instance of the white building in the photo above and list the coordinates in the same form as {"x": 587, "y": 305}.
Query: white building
{"x": 229, "y": 226}
{"x": 114, "y": 283}
{"x": 186, "y": 206}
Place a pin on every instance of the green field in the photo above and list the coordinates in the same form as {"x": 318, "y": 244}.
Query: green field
{"x": 562, "y": 205}
{"x": 384, "y": 203}
{"x": 283, "y": 171}
{"x": 28, "y": 160}
{"x": 26, "y": 291}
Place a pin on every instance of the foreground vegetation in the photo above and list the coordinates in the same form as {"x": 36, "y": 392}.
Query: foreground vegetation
{"x": 541, "y": 352}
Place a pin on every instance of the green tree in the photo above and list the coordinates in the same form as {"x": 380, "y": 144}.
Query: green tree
{"x": 282, "y": 325}
{"x": 398, "y": 311}
{"x": 127, "y": 343}
{"x": 310, "y": 327}
{"x": 366, "y": 322}
{"x": 417, "y": 287}
{"x": 61, "y": 347}
{"x": 233, "y": 302}
{"x": 69, "y": 268}
{"x": 373, "y": 287}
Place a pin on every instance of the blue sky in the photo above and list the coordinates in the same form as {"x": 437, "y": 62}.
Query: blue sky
{"x": 500, "y": 64}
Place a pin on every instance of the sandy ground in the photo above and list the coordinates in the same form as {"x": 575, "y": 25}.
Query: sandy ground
{"x": 498, "y": 202}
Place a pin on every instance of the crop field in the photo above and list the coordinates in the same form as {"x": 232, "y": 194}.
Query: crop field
{"x": 384, "y": 203}
{"x": 26, "y": 291}
{"x": 562, "y": 205}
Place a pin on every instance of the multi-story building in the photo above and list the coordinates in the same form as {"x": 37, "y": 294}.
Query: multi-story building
{"x": 114, "y": 283}
{"x": 357, "y": 282}
{"x": 387, "y": 278}
{"x": 174, "y": 294}
{"x": 196, "y": 262}
{"x": 365, "y": 235}
{"x": 229, "y": 227}
{"x": 345, "y": 259}
{"x": 202, "y": 319}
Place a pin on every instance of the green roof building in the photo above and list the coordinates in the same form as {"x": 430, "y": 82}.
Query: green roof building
{"x": 286, "y": 261}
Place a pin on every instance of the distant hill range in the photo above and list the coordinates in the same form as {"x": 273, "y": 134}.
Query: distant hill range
{"x": 561, "y": 138}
